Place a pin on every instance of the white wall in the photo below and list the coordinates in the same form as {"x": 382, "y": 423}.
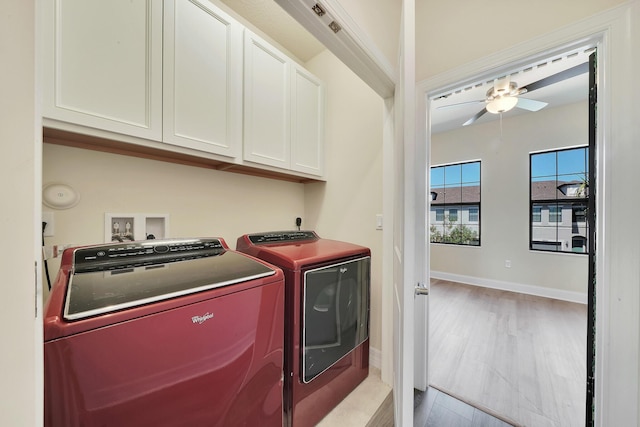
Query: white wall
{"x": 20, "y": 356}
{"x": 452, "y": 33}
{"x": 505, "y": 198}
{"x": 344, "y": 207}
{"x": 200, "y": 202}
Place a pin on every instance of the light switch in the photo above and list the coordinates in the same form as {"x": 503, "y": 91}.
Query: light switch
{"x": 378, "y": 221}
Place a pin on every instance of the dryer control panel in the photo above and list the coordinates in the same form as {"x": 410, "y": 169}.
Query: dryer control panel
{"x": 282, "y": 237}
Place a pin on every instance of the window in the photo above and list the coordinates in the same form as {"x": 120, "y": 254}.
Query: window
{"x": 578, "y": 244}
{"x": 559, "y": 192}
{"x": 473, "y": 214}
{"x": 455, "y": 204}
{"x": 579, "y": 213}
{"x": 555, "y": 213}
{"x": 536, "y": 213}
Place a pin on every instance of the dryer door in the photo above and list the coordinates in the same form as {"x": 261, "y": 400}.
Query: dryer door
{"x": 336, "y": 313}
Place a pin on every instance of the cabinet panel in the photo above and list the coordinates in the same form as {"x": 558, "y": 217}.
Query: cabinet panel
{"x": 202, "y": 78}
{"x": 170, "y": 76}
{"x": 103, "y": 64}
{"x": 307, "y": 123}
{"x": 266, "y": 104}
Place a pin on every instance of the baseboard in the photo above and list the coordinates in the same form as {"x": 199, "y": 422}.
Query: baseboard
{"x": 570, "y": 296}
{"x": 375, "y": 358}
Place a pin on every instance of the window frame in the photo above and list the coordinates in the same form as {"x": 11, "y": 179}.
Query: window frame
{"x": 554, "y": 222}
{"x": 459, "y": 206}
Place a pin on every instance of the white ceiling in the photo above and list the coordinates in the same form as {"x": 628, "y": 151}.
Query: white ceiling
{"x": 269, "y": 17}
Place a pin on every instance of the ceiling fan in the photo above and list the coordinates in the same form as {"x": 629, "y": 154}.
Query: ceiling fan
{"x": 505, "y": 94}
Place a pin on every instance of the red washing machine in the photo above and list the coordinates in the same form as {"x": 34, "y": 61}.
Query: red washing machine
{"x": 327, "y": 285}
{"x": 164, "y": 333}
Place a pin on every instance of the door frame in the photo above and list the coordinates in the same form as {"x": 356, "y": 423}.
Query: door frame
{"x": 617, "y": 34}
{"x": 409, "y": 194}
{"x": 610, "y": 32}
{"x": 432, "y": 94}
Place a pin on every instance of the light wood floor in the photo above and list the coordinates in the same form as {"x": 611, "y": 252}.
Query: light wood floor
{"x": 516, "y": 355}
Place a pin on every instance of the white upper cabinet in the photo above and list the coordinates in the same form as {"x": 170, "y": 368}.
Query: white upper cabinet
{"x": 103, "y": 64}
{"x": 179, "y": 76}
{"x": 267, "y": 103}
{"x": 202, "y": 78}
{"x": 307, "y": 122}
{"x": 283, "y": 110}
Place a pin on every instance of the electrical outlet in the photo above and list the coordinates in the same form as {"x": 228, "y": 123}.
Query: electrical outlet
{"x": 507, "y": 263}
{"x": 48, "y": 229}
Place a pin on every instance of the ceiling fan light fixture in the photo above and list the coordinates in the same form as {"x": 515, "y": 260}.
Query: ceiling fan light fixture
{"x": 501, "y": 104}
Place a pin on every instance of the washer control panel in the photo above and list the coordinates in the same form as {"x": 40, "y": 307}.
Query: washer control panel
{"x": 126, "y": 255}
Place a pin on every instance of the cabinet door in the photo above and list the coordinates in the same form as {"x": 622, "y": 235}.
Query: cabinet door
{"x": 103, "y": 64}
{"x": 266, "y": 103}
{"x": 307, "y": 122}
{"x": 202, "y": 78}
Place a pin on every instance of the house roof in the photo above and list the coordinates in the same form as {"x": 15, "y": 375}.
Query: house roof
{"x": 467, "y": 194}
{"x": 550, "y": 190}
{"x": 540, "y": 190}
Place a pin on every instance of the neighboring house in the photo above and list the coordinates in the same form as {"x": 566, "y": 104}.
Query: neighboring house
{"x": 558, "y": 216}
{"x": 455, "y": 215}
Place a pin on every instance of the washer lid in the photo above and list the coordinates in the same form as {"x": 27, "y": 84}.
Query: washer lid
{"x": 99, "y": 292}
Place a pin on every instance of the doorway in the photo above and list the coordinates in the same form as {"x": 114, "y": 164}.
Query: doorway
{"x": 479, "y": 238}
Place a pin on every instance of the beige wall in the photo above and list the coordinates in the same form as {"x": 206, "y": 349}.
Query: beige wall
{"x": 380, "y": 23}
{"x": 505, "y": 198}
{"x": 344, "y": 208}
{"x": 20, "y": 353}
{"x": 452, "y": 33}
{"x": 200, "y": 202}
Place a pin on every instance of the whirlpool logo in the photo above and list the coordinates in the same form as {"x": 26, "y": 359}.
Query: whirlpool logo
{"x": 201, "y": 319}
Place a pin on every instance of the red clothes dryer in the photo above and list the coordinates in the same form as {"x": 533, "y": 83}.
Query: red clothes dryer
{"x": 164, "y": 333}
{"x": 327, "y": 285}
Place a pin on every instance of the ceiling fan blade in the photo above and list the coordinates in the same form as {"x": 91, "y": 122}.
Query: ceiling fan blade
{"x": 476, "y": 117}
{"x": 530, "y": 104}
{"x": 443, "y": 107}
{"x": 558, "y": 77}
